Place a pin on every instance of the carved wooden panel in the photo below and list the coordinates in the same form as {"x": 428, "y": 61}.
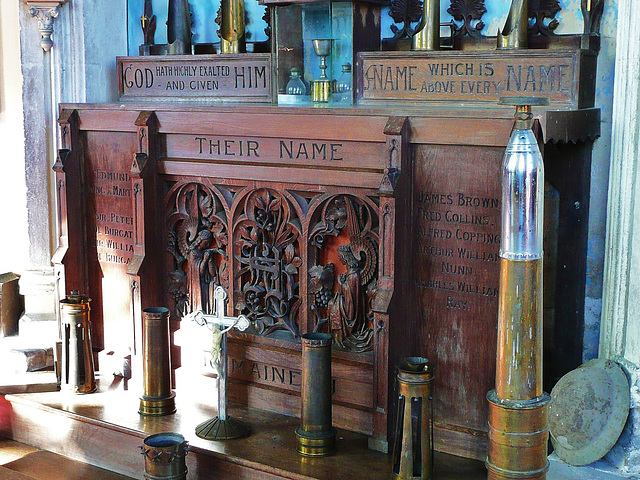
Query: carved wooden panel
{"x": 293, "y": 261}
{"x": 109, "y": 234}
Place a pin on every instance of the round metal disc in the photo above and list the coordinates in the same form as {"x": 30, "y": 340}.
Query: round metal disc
{"x": 531, "y": 101}
{"x": 588, "y": 410}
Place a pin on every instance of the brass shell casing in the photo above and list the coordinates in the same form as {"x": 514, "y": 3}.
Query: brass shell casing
{"x": 164, "y": 456}
{"x": 157, "y": 398}
{"x": 427, "y": 36}
{"x": 316, "y": 434}
{"x": 77, "y": 372}
{"x": 518, "y": 436}
{"x": 232, "y": 28}
{"x": 519, "y": 363}
{"x": 514, "y": 35}
{"x": 415, "y": 402}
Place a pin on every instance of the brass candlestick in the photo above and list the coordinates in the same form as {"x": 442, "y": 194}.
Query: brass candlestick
{"x": 179, "y": 27}
{"x": 321, "y": 88}
{"x": 518, "y": 408}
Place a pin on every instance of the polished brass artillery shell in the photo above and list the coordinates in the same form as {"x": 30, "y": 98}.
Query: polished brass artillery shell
{"x": 516, "y": 28}
{"x": 519, "y": 363}
{"x": 427, "y": 36}
{"x": 77, "y": 372}
{"x": 157, "y": 398}
{"x": 164, "y": 456}
{"x": 518, "y": 436}
{"x": 518, "y": 407}
{"x": 413, "y": 446}
{"x": 179, "y": 27}
{"x": 316, "y": 434}
{"x": 232, "y": 28}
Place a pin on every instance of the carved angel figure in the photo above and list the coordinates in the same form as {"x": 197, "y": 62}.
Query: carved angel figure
{"x": 347, "y": 310}
{"x": 202, "y": 271}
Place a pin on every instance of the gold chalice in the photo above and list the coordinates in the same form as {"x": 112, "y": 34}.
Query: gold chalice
{"x": 321, "y": 88}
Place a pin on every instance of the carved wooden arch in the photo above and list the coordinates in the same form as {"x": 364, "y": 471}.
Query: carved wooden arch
{"x": 196, "y": 217}
{"x": 344, "y": 245}
{"x": 268, "y": 252}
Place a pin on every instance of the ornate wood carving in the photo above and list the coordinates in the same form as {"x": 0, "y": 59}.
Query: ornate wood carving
{"x": 267, "y": 247}
{"x": 540, "y": 10}
{"x": 342, "y": 304}
{"x": 468, "y": 12}
{"x": 405, "y": 12}
{"x": 197, "y": 241}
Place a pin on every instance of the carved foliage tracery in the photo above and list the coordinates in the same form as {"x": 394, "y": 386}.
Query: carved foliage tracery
{"x": 468, "y": 12}
{"x": 540, "y": 10}
{"x": 342, "y": 303}
{"x": 267, "y": 249}
{"x": 197, "y": 242}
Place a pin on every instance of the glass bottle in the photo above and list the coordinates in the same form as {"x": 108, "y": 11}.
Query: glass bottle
{"x": 295, "y": 86}
{"x": 344, "y": 82}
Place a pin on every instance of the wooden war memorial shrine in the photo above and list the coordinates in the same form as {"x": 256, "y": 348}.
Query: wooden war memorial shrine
{"x": 373, "y": 216}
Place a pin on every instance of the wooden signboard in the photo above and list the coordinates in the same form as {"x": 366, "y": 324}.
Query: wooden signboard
{"x": 566, "y": 78}
{"x": 229, "y": 78}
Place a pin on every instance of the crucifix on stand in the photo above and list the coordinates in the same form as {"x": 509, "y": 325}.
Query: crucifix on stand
{"x": 222, "y": 427}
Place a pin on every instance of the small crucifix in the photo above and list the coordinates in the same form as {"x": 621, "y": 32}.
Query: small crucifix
{"x": 221, "y": 427}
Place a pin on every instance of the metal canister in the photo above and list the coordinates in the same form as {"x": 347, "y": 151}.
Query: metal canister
{"x": 518, "y": 418}
{"x": 413, "y": 445}
{"x": 77, "y": 372}
{"x": 165, "y": 456}
{"x": 316, "y": 434}
{"x": 158, "y": 398}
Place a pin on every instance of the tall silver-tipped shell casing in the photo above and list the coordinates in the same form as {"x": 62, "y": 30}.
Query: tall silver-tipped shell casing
{"x": 522, "y": 198}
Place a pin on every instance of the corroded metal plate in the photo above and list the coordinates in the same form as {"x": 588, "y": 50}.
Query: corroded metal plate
{"x": 588, "y": 410}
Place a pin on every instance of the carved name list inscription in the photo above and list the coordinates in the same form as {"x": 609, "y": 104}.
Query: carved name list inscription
{"x": 457, "y": 235}
{"x": 114, "y": 229}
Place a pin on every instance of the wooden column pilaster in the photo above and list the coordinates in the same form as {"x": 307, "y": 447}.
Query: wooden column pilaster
{"x": 70, "y": 193}
{"x": 145, "y": 269}
{"x": 396, "y": 131}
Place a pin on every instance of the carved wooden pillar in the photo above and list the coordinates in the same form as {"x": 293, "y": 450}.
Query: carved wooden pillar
{"x": 396, "y": 131}
{"x": 70, "y": 214}
{"x": 145, "y": 278}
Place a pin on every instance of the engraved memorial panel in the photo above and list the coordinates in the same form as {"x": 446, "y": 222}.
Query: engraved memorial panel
{"x": 456, "y": 225}
{"x": 110, "y": 233}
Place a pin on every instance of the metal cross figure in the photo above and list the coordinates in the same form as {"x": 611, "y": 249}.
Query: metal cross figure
{"x": 221, "y": 427}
